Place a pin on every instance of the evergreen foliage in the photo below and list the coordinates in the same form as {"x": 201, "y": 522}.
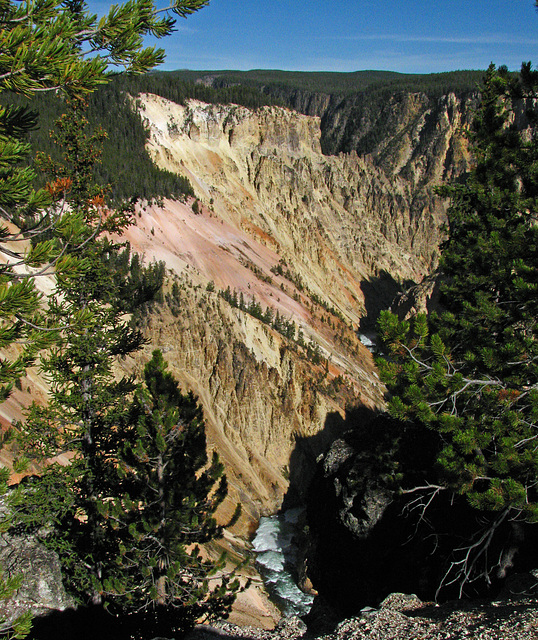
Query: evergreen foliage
{"x": 53, "y": 46}
{"x": 138, "y": 286}
{"x": 84, "y": 325}
{"x": 267, "y": 86}
{"x": 470, "y": 373}
{"x": 86, "y": 400}
{"x": 42, "y": 50}
{"x": 126, "y": 169}
{"x": 174, "y": 491}
{"x": 284, "y": 326}
{"x": 123, "y": 528}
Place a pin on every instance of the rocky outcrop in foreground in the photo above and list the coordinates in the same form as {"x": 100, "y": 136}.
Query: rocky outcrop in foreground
{"x": 41, "y": 590}
{"x": 402, "y": 617}
{"x": 368, "y": 539}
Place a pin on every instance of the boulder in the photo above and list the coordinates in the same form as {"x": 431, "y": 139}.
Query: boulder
{"x": 41, "y": 590}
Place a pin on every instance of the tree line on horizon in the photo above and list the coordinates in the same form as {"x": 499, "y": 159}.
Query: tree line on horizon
{"x": 125, "y": 164}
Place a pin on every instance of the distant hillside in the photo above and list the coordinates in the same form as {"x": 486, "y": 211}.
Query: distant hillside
{"x": 343, "y": 101}
{"x": 271, "y": 82}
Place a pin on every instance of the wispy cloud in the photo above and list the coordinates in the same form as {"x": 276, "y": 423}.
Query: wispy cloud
{"x": 200, "y": 60}
{"x": 474, "y": 39}
{"x": 407, "y": 62}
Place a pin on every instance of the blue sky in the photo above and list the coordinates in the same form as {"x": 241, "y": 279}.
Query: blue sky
{"x": 415, "y": 36}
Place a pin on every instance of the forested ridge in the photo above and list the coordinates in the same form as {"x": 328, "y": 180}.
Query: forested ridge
{"x": 272, "y": 82}
{"x": 125, "y": 164}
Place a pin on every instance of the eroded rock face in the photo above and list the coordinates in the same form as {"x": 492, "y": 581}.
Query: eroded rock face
{"x": 420, "y": 298}
{"x": 349, "y": 230}
{"x": 260, "y": 394}
{"x": 340, "y": 219}
{"x": 269, "y": 199}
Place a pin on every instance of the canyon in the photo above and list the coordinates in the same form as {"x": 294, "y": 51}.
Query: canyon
{"x": 349, "y": 233}
{"x": 323, "y": 241}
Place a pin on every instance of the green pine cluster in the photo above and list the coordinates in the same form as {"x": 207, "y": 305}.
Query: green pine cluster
{"x": 42, "y": 44}
{"x": 469, "y": 373}
{"x": 174, "y": 491}
{"x": 126, "y": 169}
{"x": 139, "y": 491}
{"x": 270, "y": 86}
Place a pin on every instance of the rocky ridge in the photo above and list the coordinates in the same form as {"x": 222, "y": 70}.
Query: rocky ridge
{"x": 340, "y": 219}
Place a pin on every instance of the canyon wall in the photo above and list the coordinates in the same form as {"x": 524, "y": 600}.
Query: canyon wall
{"x": 317, "y": 238}
{"x": 340, "y": 220}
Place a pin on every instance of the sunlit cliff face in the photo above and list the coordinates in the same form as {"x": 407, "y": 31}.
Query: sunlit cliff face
{"x": 314, "y": 238}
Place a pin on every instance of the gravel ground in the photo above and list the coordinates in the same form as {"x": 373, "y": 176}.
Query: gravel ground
{"x": 402, "y": 617}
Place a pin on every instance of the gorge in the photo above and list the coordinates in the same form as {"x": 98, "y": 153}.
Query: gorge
{"x": 323, "y": 241}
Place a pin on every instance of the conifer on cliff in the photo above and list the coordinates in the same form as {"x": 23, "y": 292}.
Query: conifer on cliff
{"x": 174, "y": 491}
{"x": 470, "y": 372}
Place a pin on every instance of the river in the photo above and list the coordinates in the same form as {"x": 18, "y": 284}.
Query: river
{"x": 277, "y": 558}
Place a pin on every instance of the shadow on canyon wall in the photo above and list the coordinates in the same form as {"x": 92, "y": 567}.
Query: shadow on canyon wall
{"x": 379, "y": 293}
{"x": 302, "y": 465}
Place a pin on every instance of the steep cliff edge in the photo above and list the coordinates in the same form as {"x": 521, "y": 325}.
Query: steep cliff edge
{"x": 305, "y": 234}
{"x": 341, "y": 220}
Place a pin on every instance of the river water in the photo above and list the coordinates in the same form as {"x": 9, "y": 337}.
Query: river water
{"x": 369, "y": 341}
{"x": 277, "y": 558}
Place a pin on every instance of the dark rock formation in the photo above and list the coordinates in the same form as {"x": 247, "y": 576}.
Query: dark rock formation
{"x": 419, "y": 298}
{"x": 368, "y": 539}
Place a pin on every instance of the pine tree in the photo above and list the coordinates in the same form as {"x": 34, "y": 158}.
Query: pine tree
{"x": 174, "y": 491}
{"x": 138, "y": 492}
{"x": 55, "y": 46}
{"x": 85, "y": 406}
{"x": 86, "y": 400}
{"x": 470, "y": 373}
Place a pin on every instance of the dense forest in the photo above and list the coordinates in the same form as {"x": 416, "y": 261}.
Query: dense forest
{"x": 273, "y": 83}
